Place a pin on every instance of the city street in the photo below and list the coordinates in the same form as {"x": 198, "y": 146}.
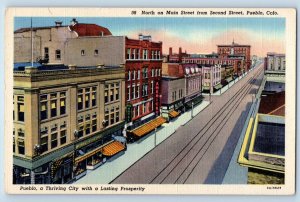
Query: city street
{"x": 201, "y": 150}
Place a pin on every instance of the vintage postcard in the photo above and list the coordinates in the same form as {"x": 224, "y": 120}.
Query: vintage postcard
{"x": 150, "y": 101}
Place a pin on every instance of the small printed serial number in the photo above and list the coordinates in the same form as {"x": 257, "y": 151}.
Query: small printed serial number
{"x": 274, "y": 187}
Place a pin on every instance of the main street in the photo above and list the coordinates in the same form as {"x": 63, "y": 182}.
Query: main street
{"x": 200, "y": 151}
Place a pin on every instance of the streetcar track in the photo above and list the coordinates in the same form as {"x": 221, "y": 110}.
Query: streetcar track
{"x": 217, "y": 134}
{"x": 208, "y": 125}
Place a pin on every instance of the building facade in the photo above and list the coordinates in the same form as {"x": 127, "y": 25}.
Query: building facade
{"x": 65, "y": 121}
{"x": 49, "y": 42}
{"x": 211, "y": 78}
{"x": 143, "y": 65}
{"x": 173, "y": 96}
{"x": 275, "y": 62}
{"x": 235, "y": 49}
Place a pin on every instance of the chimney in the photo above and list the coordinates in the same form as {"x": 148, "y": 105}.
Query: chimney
{"x": 170, "y": 51}
{"x": 180, "y": 54}
{"x": 58, "y": 23}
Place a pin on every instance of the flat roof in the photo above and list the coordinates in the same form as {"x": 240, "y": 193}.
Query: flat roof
{"x": 270, "y": 138}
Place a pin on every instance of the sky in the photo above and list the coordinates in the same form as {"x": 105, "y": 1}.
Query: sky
{"x": 195, "y": 35}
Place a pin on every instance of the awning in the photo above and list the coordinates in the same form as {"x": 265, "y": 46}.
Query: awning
{"x": 218, "y": 86}
{"x": 148, "y": 127}
{"x": 229, "y": 79}
{"x": 91, "y": 153}
{"x": 113, "y": 148}
{"x": 173, "y": 114}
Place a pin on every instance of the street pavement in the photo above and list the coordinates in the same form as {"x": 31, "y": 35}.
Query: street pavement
{"x": 201, "y": 150}
{"x": 112, "y": 169}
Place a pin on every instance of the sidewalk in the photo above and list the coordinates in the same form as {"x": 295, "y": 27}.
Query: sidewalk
{"x": 110, "y": 170}
{"x": 235, "y": 173}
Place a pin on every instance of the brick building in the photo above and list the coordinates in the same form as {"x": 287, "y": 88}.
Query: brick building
{"x": 176, "y": 57}
{"x": 234, "y": 49}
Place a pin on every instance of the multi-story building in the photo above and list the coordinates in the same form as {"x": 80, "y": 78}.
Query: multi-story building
{"x": 173, "y": 96}
{"x": 49, "y": 41}
{"x": 235, "y": 49}
{"x": 90, "y": 45}
{"x": 275, "y": 62}
{"x": 65, "y": 121}
{"x": 211, "y": 78}
{"x": 263, "y": 149}
{"x": 237, "y": 62}
{"x": 177, "y": 96}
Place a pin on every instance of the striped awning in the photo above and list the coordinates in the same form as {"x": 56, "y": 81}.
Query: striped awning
{"x": 148, "y": 127}
{"x": 173, "y": 114}
{"x": 91, "y": 153}
{"x": 113, "y": 148}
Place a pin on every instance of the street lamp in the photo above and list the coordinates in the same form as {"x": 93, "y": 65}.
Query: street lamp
{"x": 155, "y": 137}
{"x": 192, "y": 109}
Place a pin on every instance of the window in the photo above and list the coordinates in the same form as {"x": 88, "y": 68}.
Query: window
{"x": 63, "y": 137}
{"x": 152, "y": 72}
{"x": 152, "y": 87}
{"x": 21, "y": 133}
{"x": 94, "y": 125}
{"x": 133, "y": 75}
{"x": 82, "y": 52}
{"x": 133, "y": 92}
{"x": 145, "y": 54}
{"x": 137, "y": 92}
{"x": 138, "y": 74}
{"x": 93, "y": 99}
{"x": 117, "y": 117}
{"x": 158, "y": 54}
{"x": 128, "y": 93}
{"x": 87, "y": 100}
{"x": 44, "y": 144}
{"x": 62, "y": 106}
{"x": 79, "y": 102}
{"x": 80, "y": 132}
{"x": 128, "y": 75}
{"x": 21, "y": 115}
{"x": 112, "y": 118}
{"x": 46, "y": 53}
{"x": 128, "y": 53}
{"x": 133, "y": 54}
{"x": 138, "y": 53}
{"x": 87, "y": 129}
{"x": 144, "y": 108}
{"x": 53, "y": 140}
{"x": 21, "y": 147}
{"x": 44, "y": 114}
{"x": 145, "y": 72}
{"x": 53, "y": 108}
{"x": 111, "y": 95}
{"x": 152, "y": 55}
{"x": 57, "y": 55}
{"x": 106, "y": 96}
{"x": 14, "y": 145}
{"x": 96, "y": 52}
{"x": 117, "y": 91}
{"x": 145, "y": 90}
